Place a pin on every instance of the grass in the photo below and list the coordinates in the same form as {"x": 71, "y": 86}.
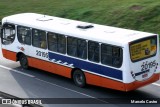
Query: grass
{"x": 143, "y": 15}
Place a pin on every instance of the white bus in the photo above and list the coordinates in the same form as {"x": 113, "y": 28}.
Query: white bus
{"x": 88, "y": 53}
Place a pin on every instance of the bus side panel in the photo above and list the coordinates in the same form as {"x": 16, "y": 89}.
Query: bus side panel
{"x": 108, "y": 83}
{"x": 104, "y": 82}
{"x": 93, "y": 79}
{"x": 50, "y": 67}
{"x": 64, "y": 71}
{"x": 137, "y": 84}
{"x": 9, "y": 55}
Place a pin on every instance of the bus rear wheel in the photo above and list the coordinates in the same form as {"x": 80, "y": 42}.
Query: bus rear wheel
{"x": 79, "y": 78}
{"x": 23, "y": 61}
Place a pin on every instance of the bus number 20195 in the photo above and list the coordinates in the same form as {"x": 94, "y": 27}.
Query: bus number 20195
{"x": 42, "y": 54}
{"x": 147, "y": 65}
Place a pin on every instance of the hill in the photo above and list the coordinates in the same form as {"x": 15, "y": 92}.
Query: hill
{"x": 143, "y": 15}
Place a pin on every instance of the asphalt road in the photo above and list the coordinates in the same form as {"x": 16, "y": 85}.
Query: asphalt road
{"x": 34, "y": 83}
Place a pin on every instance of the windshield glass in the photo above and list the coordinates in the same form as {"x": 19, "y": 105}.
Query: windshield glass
{"x": 143, "y": 48}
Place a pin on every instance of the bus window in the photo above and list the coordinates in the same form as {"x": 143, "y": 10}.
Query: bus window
{"x": 39, "y": 38}
{"x": 82, "y": 49}
{"x": 111, "y": 55}
{"x": 72, "y": 46}
{"x": 77, "y": 47}
{"x": 57, "y": 43}
{"x": 93, "y": 51}
{"x": 8, "y": 34}
{"x": 143, "y": 48}
{"x": 24, "y": 35}
{"x": 61, "y": 44}
{"x": 117, "y": 57}
{"x": 106, "y": 54}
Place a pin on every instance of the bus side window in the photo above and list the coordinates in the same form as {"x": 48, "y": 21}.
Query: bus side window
{"x": 39, "y": 38}
{"x": 24, "y": 35}
{"x": 72, "y": 46}
{"x": 61, "y": 44}
{"x": 77, "y": 47}
{"x": 93, "y": 51}
{"x": 8, "y": 35}
{"x": 116, "y": 56}
{"x": 82, "y": 49}
{"x": 52, "y": 41}
{"x": 111, "y": 55}
{"x": 106, "y": 54}
{"x": 57, "y": 43}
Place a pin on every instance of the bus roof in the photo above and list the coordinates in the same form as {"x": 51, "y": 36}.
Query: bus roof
{"x": 79, "y": 29}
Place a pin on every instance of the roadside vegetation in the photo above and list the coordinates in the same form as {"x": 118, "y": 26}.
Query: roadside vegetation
{"x": 143, "y": 15}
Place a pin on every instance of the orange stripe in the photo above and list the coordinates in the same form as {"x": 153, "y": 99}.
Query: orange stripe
{"x": 109, "y": 83}
{"x": 50, "y": 67}
{"x": 104, "y": 82}
{"x": 138, "y": 84}
{"x": 9, "y": 55}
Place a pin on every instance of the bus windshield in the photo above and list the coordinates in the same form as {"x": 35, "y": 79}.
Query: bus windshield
{"x": 143, "y": 48}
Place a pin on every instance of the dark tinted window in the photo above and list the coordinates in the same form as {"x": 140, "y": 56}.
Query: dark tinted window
{"x": 77, "y": 47}
{"x": 24, "y": 35}
{"x": 93, "y": 51}
{"x": 57, "y": 43}
{"x": 39, "y": 38}
{"x": 111, "y": 55}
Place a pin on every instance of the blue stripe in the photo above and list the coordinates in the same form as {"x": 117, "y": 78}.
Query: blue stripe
{"x": 106, "y": 71}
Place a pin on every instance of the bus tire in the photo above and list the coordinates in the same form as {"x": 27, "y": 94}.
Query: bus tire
{"x": 79, "y": 78}
{"x": 23, "y": 61}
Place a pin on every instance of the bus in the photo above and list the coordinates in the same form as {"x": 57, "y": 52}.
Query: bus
{"x": 88, "y": 53}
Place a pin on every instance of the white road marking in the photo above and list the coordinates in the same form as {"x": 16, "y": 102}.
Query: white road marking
{"x": 4, "y": 67}
{"x": 15, "y": 105}
{"x": 156, "y": 84}
{"x": 72, "y": 90}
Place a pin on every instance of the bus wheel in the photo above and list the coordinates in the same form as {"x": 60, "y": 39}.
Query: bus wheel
{"x": 23, "y": 61}
{"x": 79, "y": 78}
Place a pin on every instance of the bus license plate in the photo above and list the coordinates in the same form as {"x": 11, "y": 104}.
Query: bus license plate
{"x": 145, "y": 75}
